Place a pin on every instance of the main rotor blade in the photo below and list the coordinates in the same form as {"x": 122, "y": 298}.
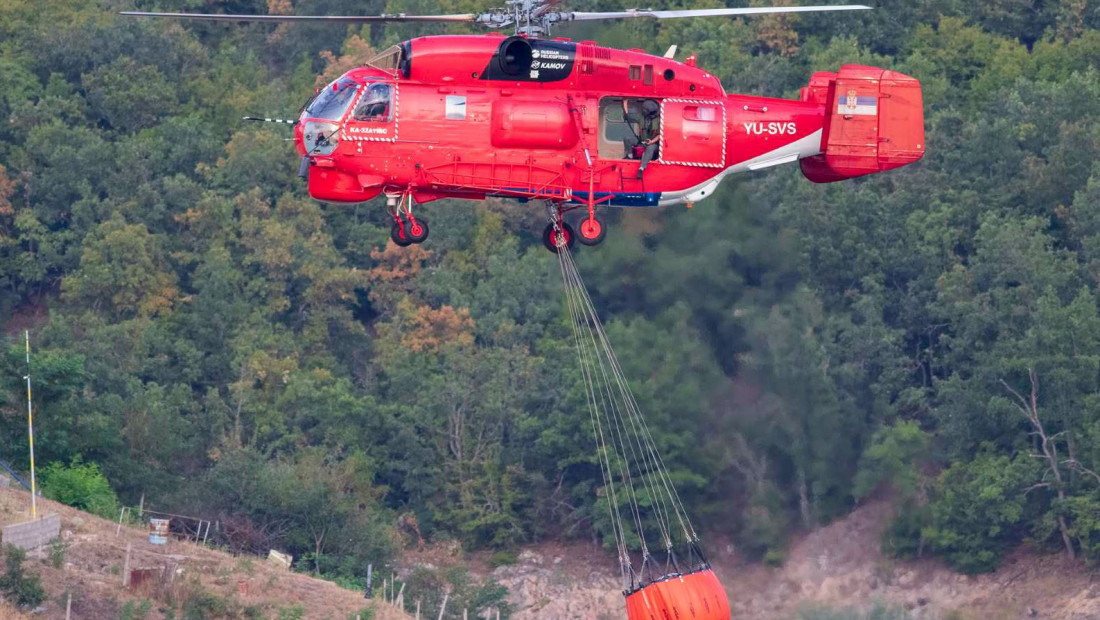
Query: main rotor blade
{"x": 714, "y": 12}
{"x": 352, "y": 19}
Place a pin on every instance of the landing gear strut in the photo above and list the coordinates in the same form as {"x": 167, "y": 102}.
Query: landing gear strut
{"x": 407, "y": 229}
{"x": 557, "y": 234}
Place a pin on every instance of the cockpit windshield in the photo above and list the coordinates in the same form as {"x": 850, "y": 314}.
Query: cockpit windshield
{"x": 333, "y": 102}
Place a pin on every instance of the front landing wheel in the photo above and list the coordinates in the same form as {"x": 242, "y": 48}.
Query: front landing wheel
{"x": 552, "y": 239}
{"x": 591, "y": 231}
{"x": 399, "y": 235}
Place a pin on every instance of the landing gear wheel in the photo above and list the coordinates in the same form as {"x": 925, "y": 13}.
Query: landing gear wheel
{"x": 548, "y": 237}
{"x": 591, "y": 231}
{"x": 416, "y": 230}
{"x": 399, "y": 235}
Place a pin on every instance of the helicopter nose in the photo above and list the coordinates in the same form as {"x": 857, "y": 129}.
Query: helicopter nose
{"x": 299, "y": 138}
{"x": 320, "y": 138}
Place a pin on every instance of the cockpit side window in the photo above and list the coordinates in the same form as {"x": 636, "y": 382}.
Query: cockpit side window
{"x": 376, "y": 104}
{"x": 332, "y": 103}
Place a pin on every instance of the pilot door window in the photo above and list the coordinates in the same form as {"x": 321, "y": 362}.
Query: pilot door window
{"x": 376, "y": 104}
{"x": 628, "y": 126}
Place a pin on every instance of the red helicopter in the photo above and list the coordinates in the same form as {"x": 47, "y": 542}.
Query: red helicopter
{"x": 574, "y": 124}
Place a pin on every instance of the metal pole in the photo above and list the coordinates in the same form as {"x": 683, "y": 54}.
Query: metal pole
{"x": 69, "y": 607}
{"x": 370, "y": 591}
{"x": 30, "y": 429}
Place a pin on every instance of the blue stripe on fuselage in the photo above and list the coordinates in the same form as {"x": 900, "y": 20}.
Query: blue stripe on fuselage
{"x": 621, "y": 199}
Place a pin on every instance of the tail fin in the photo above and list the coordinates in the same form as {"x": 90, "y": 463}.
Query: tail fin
{"x": 874, "y": 121}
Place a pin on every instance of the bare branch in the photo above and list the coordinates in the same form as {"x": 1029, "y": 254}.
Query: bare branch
{"x": 1023, "y": 401}
{"x": 1076, "y": 466}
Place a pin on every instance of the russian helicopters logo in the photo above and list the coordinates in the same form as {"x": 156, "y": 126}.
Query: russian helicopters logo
{"x": 771, "y": 129}
{"x": 549, "y": 60}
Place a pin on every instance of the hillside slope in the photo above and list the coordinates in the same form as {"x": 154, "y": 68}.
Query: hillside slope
{"x": 837, "y": 566}
{"x": 215, "y": 583}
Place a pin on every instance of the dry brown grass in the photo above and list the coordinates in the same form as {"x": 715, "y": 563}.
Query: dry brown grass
{"x": 10, "y": 613}
{"x": 94, "y": 556}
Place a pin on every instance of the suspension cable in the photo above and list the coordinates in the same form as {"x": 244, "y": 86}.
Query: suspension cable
{"x": 626, "y": 443}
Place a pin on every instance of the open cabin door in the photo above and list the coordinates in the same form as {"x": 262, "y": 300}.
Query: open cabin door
{"x": 693, "y": 133}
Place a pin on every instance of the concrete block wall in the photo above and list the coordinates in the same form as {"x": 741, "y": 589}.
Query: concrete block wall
{"x": 32, "y": 534}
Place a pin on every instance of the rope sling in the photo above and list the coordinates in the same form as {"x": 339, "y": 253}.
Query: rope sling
{"x": 639, "y": 492}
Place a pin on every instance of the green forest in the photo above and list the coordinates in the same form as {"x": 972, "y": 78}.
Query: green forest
{"x": 207, "y": 337}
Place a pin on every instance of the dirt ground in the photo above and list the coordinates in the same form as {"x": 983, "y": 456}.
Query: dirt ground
{"x": 838, "y": 566}
{"x": 92, "y": 563}
{"x": 841, "y": 565}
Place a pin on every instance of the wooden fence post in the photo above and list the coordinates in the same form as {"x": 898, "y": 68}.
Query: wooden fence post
{"x": 443, "y": 607}
{"x": 126, "y": 566}
{"x": 118, "y": 529}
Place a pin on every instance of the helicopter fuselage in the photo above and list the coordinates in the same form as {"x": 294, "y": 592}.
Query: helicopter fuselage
{"x": 479, "y": 116}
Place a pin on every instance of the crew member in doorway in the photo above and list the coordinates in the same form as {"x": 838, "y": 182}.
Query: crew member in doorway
{"x": 645, "y": 123}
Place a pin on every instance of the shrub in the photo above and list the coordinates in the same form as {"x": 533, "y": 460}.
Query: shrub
{"x": 81, "y": 485}
{"x": 903, "y": 538}
{"x": 134, "y": 610}
{"x": 978, "y": 510}
{"x": 57, "y": 552}
{"x": 23, "y": 589}
{"x": 291, "y": 613}
{"x": 1084, "y": 515}
{"x": 503, "y": 558}
{"x": 203, "y": 605}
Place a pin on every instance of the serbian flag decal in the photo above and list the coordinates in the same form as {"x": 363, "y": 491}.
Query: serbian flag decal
{"x": 854, "y": 104}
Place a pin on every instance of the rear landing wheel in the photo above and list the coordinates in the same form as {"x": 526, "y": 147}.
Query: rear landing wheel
{"x": 591, "y": 231}
{"x": 552, "y": 238}
{"x": 417, "y": 230}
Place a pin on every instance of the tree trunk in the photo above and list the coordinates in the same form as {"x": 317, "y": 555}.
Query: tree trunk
{"x": 804, "y": 499}
{"x": 1049, "y": 446}
{"x": 318, "y": 543}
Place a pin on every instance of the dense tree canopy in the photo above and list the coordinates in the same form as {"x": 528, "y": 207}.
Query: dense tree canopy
{"x": 210, "y": 338}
